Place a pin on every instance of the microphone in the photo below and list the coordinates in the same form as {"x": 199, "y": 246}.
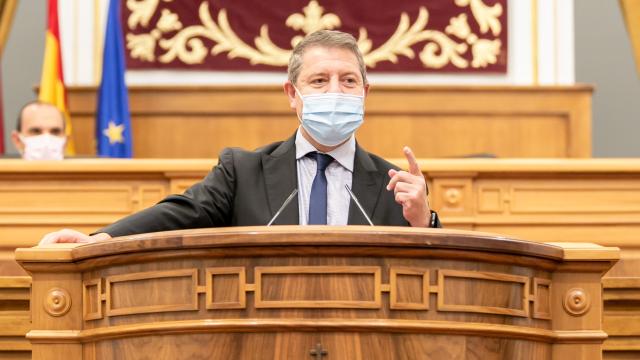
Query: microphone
{"x": 284, "y": 205}
{"x": 355, "y": 200}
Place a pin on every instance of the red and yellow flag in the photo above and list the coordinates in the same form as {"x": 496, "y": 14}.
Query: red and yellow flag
{"x": 52, "y": 88}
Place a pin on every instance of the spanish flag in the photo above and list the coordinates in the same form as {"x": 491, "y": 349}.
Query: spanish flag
{"x": 52, "y": 88}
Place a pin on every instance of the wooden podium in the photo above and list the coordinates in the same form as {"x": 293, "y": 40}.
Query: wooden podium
{"x": 292, "y": 292}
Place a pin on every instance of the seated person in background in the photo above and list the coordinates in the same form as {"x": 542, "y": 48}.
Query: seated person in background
{"x": 39, "y": 133}
{"x": 326, "y": 88}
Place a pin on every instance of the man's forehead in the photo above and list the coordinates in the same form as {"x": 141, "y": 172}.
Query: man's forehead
{"x": 320, "y": 55}
{"x": 42, "y": 115}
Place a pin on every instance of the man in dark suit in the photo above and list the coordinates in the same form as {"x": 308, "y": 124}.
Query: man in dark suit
{"x": 326, "y": 87}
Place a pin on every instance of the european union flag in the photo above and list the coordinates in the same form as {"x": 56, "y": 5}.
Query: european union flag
{"x": 113, "y": 123}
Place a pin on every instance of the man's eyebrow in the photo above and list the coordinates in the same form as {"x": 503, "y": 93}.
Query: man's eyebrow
{"x": 318, "y": 73}
{"x": 350, "y": 72}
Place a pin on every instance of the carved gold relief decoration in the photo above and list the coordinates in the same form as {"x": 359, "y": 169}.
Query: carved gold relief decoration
{"x": 439, "y": 48}
{"x": 57, "y": 302}
{"x": 312, "y": 20}
{"x": 141, "y": 12}
{"x": 169, "y": 21}
{"x": 487, "y": 17}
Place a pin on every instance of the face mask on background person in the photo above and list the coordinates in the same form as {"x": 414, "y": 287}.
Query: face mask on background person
{"x": 331, "y": 118}
{"x": 43, "y": 147}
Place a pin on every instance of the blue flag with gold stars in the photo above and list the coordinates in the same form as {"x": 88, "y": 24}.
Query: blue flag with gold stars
{"x": 113, "y": 123}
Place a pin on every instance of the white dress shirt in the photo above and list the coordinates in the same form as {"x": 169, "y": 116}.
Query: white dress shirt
{"x": 339, "y": 173}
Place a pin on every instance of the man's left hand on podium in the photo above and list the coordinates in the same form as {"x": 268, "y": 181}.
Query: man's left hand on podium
{"x": 71, "y": 236}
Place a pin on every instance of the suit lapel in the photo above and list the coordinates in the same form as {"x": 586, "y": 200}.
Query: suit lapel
{"x": 280, "y": 176}
{"x": 366, "y": 185}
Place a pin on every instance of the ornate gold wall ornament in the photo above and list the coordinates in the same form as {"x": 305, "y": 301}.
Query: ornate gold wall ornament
{"x": 439, "y": 50}
{"x": 57, "y": 302}
{"x": 406, "y": 36}
{"x": 141, "y": 12}
{"x": 485, "y": 52}
{"x": 486, "y": 16}
{"x": 188, "y": 48}
{"x": 459, "y": 27}
{"x": 576, "y": 302}
{"x": 169, "y": 21}
{"x": 312, "y": 20}
{"x": 143, "y": 46}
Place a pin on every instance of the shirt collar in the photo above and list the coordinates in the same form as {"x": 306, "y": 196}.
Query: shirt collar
{"x": 343, "y": 154}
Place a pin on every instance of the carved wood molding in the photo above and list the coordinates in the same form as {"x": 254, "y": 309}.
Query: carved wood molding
{"x": 354, "y": 325}
{"x": 369, "y": 275}
{"x": 57, "y": 302}
{"x": 291, "y": 287}
{"x": 144, "y": 281}
{"x": 577, "y": 302}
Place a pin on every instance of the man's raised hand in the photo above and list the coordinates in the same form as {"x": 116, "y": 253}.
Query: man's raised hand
{"x": 410, "y": 190}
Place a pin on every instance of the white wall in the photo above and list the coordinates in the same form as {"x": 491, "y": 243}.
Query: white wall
{"x": 604, "y": 57}
{"x": 21, "y": 64}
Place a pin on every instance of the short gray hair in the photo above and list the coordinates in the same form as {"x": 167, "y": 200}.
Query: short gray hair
{"x": 327, "y": 39}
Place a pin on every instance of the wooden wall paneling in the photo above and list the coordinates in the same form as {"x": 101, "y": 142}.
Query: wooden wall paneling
{"x": 621, "y": 318}
{"x": 544, "y": 200}
{"x": 15, "y": 317}
{"x": 437, "y": 121}
{"x": 479, "y": 194}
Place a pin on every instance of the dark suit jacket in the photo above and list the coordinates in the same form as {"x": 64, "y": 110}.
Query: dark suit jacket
{"x": 248, "y": 187}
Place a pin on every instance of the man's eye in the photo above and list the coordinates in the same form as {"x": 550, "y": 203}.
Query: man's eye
{"x": 350, "y": 82}
{"x": 56, "y": 132}
{"x": 317, "y": 81}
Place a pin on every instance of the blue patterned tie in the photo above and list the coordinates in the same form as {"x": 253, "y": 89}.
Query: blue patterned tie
{"x": 318, "y": 199}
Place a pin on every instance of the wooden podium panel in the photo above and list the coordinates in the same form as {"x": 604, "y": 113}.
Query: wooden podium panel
{"x": 295, "y": 292}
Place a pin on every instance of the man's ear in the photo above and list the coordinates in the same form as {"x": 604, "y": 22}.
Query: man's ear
{"x": 290, "y": 91}
{"x": 15, "y": 138}
{"x": 366, "y": 90}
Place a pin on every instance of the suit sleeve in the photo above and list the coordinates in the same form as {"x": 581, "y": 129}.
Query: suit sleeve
{"x": 208, "y": 203}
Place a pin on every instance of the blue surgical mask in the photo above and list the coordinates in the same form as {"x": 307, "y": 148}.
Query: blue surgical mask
{"x": 331, "y": 118}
